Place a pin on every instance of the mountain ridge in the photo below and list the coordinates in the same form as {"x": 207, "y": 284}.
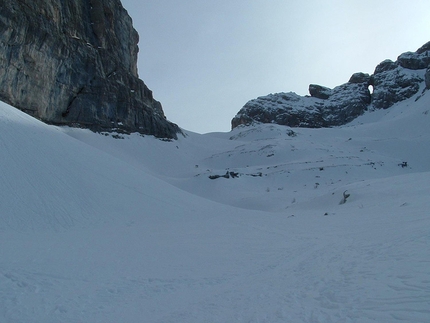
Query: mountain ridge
{"x": 391, "y": 82}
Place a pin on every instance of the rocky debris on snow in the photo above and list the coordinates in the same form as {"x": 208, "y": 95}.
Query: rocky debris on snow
{"x": 75, "y": 63}
{"x": 392, "y": 82}
{"x": 230, "y": 174}
{"x": 226, "y": 175}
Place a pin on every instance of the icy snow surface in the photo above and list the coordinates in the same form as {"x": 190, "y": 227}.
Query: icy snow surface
{"x": 131, "y": 229}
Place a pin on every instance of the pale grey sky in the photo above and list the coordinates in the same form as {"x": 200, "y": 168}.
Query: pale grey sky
{"x": 205, "y": 59}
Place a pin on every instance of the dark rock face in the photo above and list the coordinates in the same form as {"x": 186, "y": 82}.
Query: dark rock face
{"x": 393, "y": 85}
{"x": 392, "y": 82}
{"x": 348, "y": 101}
{"x": 75, "y": 63}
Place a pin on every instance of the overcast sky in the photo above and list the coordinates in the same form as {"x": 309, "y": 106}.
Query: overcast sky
{"x": 205, "y": 59}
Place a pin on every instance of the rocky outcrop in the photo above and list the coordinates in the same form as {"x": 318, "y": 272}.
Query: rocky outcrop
{"x": 416, "y": 61}
{"x": 320, "y": 92}
{"x": 392, "y": 82}
{"x": 75, "y": 63}
{"x": 324, "y": 108}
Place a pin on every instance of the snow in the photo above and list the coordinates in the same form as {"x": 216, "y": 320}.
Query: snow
{"x": 99, "y": 229}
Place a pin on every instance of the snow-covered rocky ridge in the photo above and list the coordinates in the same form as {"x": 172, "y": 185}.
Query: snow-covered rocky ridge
{"x": 133, "y": 229}
{"x": 391, "y": 82}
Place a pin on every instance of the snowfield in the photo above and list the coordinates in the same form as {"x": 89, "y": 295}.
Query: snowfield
{"x": 132, "y": 229}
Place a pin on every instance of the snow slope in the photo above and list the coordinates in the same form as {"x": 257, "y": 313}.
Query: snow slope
{"x": 98, "y": 229}
{"x": 295, "y": 164}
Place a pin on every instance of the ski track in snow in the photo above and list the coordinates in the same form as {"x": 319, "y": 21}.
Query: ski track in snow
{"x": 96, "y": 229}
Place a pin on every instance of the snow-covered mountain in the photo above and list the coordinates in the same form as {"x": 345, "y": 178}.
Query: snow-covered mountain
{"x": 391, "y": 82}
{"x": 311, "y": 225}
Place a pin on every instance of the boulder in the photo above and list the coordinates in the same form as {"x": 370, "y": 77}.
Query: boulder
{"x": 320, "y": 92}
{"x": 414, "y": 61}
{"x": 385, "y": 66}
{"x": 360, "y": 78}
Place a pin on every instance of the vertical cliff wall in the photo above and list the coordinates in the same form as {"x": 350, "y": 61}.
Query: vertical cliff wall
{"x": 74, "y": 62}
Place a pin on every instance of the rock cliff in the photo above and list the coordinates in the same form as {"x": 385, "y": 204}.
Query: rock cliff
{"x": 75, "y": 63}
{"x": 392, "y": 82}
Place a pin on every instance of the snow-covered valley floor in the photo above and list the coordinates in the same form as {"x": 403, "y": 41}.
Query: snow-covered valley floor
{"x": 100, "y": 229}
